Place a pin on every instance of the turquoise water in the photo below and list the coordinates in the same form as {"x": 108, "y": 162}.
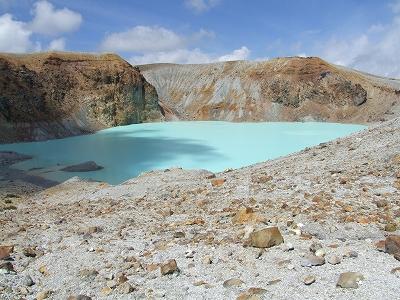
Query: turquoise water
{"x": 127, "y": 151}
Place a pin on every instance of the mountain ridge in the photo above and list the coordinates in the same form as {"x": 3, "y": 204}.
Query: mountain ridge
{"x": 270, "y": 88}
{"x": 59, "y": 94}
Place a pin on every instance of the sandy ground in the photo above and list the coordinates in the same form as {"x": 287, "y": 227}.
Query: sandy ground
{"x": 108, "y": 242}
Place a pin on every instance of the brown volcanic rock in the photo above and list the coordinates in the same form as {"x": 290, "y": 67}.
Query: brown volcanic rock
{"x": 281, "y": 89}
{"x": 265, "y": 238}
{"x": 392, "y": 245}
{"x": 5, "y": 251}
{"x": 52, "y": 95}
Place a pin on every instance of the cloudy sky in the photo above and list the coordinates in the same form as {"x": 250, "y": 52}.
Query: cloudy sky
{"x": 362, "y": 34}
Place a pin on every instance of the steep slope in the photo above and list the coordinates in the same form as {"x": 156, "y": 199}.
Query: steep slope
{"x": 341, "y": 197}
{"x": 282, "y": 89}
{"x": 52, "y": 95}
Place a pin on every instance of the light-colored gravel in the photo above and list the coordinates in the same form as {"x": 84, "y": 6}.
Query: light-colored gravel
{"x": 340, "y": 194}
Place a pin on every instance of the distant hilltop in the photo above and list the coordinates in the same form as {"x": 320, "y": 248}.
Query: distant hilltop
{"x": 59, "y": 94}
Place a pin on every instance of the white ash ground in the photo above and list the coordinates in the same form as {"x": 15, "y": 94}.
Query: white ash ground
{"x": 86, "y": 233}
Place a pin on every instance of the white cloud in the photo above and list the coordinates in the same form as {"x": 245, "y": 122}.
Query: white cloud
{"x": 376, "y": 51}
{"x": 200, "y": 6}
{"x": 151, "y": 38}
{"x": 48, "y": 20}
{"x": 17, "y": 36}
{"x": 57, "y": 44}
{"x": 238, "y": 54}
{"x": 183, "y": 56}
{"x": 395, "y": 6}
{"x": 14, "y": 36}
{"x": 143, "y": 38}
{"x": 262, "y": 58}
{"x": 186, "y": 56}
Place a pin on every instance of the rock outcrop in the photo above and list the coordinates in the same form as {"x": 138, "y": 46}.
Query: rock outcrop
{"x": 54, "y": 95}
{"x": 282, "y": 89}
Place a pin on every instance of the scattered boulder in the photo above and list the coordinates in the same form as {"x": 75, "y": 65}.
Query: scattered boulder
{"x": 207, "y": 260}
{"x": 315, "y": 246}
{"x": 179, "y": 234}
{"x": 349, "y": 280}
{"x": 392, "y": 245}
{"x": 43, "y": 270}
{"x": 380, "y": 245}
{"x": 252, "y": 294}
{"x": 28, "y": 281}
{"x": 334, "y": 259}
{"x": 87, "y": 166}
{"x": 217, "y": 182}
{"x": 312, "y": 260}
{"x": 381, "y": 203}
{"x": 88, "y": 274}
{"x": 396, "y": 271}
{"x": 106, "y": 291}
{"x": 121, "y": 278}
{"x": 232, "y": 282}
{"x": 79, "y": 297}
{"x": 125, "y": 288}
{"x": 169, "y": 267}
{"x": 390, "y": 227}
{"x": 265, "y": 238}
{"x": 351, "y": 254}
{"x": 261, "y": 179}
{"x": 7, "y": 267}
{"x": 43, "y": 295}
{"x": 245, "y": 215}
{"x": 5, "y": 251}
{"x": 29, "y": 252}
{"x": 309, "y": 279}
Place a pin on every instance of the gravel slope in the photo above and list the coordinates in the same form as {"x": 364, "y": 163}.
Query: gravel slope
{"x": 344, "y": 195}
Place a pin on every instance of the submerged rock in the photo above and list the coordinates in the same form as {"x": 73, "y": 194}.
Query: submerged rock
{"x": 86, "y": 166}
{"x": 11, "y": 157}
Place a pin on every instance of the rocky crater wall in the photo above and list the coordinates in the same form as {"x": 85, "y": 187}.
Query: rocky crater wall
{"x": 282, "y": 89}
{"x": 54, "y": 95}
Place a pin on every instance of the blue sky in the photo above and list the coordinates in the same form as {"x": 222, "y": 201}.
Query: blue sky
{"x": 363, "y": 34}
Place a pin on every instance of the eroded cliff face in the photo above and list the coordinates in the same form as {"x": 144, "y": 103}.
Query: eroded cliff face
{"x": 282, "y": 89}
{"x": 53, "y": 95}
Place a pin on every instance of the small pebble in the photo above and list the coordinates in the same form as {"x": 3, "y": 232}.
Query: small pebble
{"x": 309, "y": 279}
{"x": 27, "y": 281}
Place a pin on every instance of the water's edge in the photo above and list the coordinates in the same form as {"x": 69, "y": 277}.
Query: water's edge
{"x": 127, "y": 151}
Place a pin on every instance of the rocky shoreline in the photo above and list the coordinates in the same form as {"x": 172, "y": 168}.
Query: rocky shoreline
{"x": 179, "y": 234}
